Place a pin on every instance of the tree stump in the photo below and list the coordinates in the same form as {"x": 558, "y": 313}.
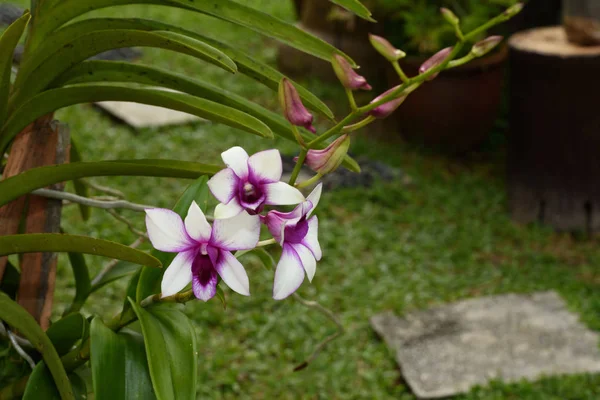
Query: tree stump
{"x": 554, "y": 139}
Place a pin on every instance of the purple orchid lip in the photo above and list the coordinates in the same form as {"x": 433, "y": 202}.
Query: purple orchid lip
{"x": 250, "y": 183}
{"x": 204, "y": 252}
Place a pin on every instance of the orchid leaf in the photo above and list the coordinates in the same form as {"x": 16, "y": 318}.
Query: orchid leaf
{"x": 8, "y": 42}
{"x": 9, "y": 283}
{"x": 18, "y": 185}
{"x": 256, "y": 70}
{"x": 79, "y": 48}
{"x": 131, "y": 292}
{"x": 66, "y": 332}
{"x": 355, "y": 7}
{"x": 171, "y": 349}
{"x": 18, "y": 318}
{"x": 263, "y": 255}
{"x": 63, "y": 11}
{"x": 118, "y": 271}
{"x": 41, "y": 386}
{"x": 119, "y": 366}
{"x": 149, "y": 283}
{"x": 83, "y": 285}
{"x": 55, "y": 99}
{"x": 56, "y": 242}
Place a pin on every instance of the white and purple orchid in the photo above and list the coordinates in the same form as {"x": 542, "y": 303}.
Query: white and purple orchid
{"x": 297, "y": 232}
{"x": 250, "y": 183}
{"x": 204, "y": 251}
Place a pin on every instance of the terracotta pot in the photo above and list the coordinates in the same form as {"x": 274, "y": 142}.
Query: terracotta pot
{"x": 456, "y": 111}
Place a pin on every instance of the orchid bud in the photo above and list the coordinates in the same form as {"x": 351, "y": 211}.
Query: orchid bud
{"x": 328, "y": 159}
{"x": 449, "y": 16}
{"x": 293, "y": 109}
{"x": 385, "y": 48}
{"x": 386, "y": 109}
{"x": 349, "y": 78}
{"x": 513, "y": 10}
{"x": 434, "y": 61}
{"x": 486, "y": 45}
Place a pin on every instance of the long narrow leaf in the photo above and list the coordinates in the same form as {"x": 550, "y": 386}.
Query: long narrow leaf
{"x": 17, "y": 317}
{"x": 41, "y": 386}
{"x": 66, "y": 332}
{"x": 82, "y": 281}
{"x": 57, "y": 242}
{"x": 356, "y": 7}
{"x": 36, "y": 178}
{"x": 118, "y": 271}
{"x": 227, "y": 10}
{"x": 8, "y": 42}
{"x": 55, "y": 99}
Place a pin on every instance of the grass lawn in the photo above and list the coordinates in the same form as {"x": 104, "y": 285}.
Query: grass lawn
{"x": 443, "y": 238}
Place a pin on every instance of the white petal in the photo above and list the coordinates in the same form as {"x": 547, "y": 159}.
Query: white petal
{"x": 308, "y": 260}
{"x": 236, "y": 158}
{"x": 178, "y": 274}
{"x": 266, "y": 165}
{"x": 223, "y": 185}
{"x": 280, "y": 193}
{"x": 288, "y": 275}
{"x": 228, "y": 210}
{"x": 233, "y": 273}
{"x": 196, "y": 224}
{"x": 166, "y": 230}
{"x": 311, "y": 240}
{"x": 314, "y": 197}
{"x": 238, "y": 233}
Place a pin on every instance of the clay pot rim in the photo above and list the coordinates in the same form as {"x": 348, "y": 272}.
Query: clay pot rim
{"x": 493, "y": 60}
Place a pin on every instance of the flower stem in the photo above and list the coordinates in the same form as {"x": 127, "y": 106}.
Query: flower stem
{"x": 309, "y": 182}
{"x": 298, "y": 136}
{"x": 358, "y": 125}
{"x": 350, "y": 95}
{"x": 399, "y": 71}
{"x": 267, "y": 242}
{"x": 298, "y": 166}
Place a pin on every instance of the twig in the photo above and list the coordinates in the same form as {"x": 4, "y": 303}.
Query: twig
{"x": 19, "y": 349}
{"x": 329, "y": 314}
{"x": 105, "y": 189}
{"x": 107, "y": 205}
{"x": 24, "y": 343}
{"x": 111, "y": 264}
{"x": 127, "y": 222}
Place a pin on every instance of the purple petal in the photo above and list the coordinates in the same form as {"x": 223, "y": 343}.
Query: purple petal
{"x": 236, "y": 158}
{"x": 276, "y": 220}
{"x": 167, "y": 231}
{"x": 266, "y": 166}
{"x": 238, "y": 233}
{"x": 196, "y": 224}
{"x": 204, "y": 281}
{"x": 308, "y": 260}
{"x": 223, "y": 185}
{"x": 288, "y": 275}
{"x": 232, "y": 272}
{"x": 280, "y": 193}
{"x": 311, "y": 240}
{"x": 178, "y": 274}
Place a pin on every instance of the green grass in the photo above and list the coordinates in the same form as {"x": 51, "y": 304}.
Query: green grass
{"x": 445, "y": 237}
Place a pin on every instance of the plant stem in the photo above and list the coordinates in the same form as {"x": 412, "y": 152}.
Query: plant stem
{"x": 350, "y": 95}
{"x": 298, "y": 166}
{"x": 358, "y": 125}
{"x": 309, "y": 182}
{"x": 400, "y": 72}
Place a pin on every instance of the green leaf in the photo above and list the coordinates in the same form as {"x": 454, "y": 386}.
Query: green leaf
{"x": 258, "y": 71}
{"x": 227, "y": 10}
{"x": 120, "y": 270}
{"x": 80, "y": 188}
{"x": 82, "y": 282}
{"x": 171, "y": 349}
{"x": 10, "y": 280}
{"x": 356, "y": 7}
{"x": 66, "y": 332}
{"x": 221, "y": 296}
{"x": 56, "y": 242}
{"x": 18, "y": 185}
{"x": 131, "y": 292}
{"x": 41, "y": 386}
{"x": 55, "y": 99}
{"x": 119, "y": 367}
{"x": 8, "y": 42}
{"x": 17, "y": 317}
{"x": 149, "y": 283}
{"x": 57, "y": 56}
{"x": 264, "y": 256}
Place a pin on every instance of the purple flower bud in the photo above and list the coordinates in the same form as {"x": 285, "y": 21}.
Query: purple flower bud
{"x": 449, "y": 16}
{"x": 349, "y": 78}
{"x": 434, "y": 61}
{"x": 486, "y": 45}
{"x": 328, "y": 159}
{"x": 292, "y": 106}
{"x": 386, "y": 109}
{"x": 385, "y": 48}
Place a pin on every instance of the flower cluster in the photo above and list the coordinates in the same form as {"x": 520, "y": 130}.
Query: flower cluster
{"x": 245, "y": 188}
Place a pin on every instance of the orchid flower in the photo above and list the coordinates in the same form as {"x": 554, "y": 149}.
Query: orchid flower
{"x": 250, "y": 183}
{"x": 204, "y": 251}
{"x": 297, "y": 232}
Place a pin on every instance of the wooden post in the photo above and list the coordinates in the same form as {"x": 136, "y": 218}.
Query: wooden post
{"x": 43, "y": 142}
{"x": 554, "y": 137}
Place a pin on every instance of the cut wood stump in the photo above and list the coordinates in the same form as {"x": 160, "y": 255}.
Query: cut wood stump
{"x": 554, "y": 138}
